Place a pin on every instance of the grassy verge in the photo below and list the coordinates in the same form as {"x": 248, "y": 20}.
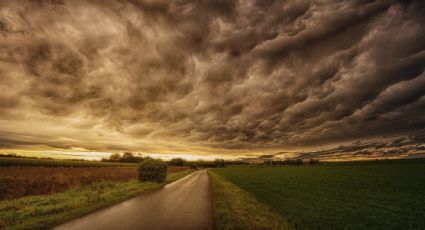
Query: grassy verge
{"x": 236, "y": 209}
{"x": 41, "y": 212}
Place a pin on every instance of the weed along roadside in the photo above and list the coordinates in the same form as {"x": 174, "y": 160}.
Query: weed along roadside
{"x": 234, "y": 208}
{"x": 45, "y": 211}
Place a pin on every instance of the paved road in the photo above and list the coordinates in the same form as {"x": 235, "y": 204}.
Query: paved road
{"x": 181, "y": 205}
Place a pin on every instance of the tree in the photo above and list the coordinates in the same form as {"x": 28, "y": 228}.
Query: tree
{"x": 115, "y": 157}
{"x": 177, "y": 162}
{"x": 298, "y": 162}
{"x": 313, "y": 161}
{"x": 129, "y": 157}
{"x": 219, "y": 163}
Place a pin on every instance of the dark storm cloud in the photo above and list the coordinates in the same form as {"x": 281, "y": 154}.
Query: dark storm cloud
{"x": 411, "y": 146}
{"x": 216, "y": 75}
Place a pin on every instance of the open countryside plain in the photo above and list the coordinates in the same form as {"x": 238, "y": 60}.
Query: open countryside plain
{"x": 212, "y": 114}
{"x": 385, "y": 195}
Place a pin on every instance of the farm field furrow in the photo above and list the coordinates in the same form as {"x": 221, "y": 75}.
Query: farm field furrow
{"x": 378, "y": 196}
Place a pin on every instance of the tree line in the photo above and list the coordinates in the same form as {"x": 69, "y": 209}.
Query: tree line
{"x": 129, "y": 157}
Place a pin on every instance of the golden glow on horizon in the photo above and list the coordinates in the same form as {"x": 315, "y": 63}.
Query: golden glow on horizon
{"x": 85, "y": 155}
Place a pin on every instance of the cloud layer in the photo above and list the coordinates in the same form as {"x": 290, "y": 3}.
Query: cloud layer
{"x": 219, "y": 76}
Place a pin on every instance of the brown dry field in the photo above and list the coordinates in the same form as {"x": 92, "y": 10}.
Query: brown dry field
{"x": 17, "y": 182}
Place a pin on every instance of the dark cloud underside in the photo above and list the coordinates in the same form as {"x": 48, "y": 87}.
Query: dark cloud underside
{"x": 210, "y": 75}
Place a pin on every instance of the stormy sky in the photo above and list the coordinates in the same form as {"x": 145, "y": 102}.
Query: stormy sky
{"x": 213, "y": 76}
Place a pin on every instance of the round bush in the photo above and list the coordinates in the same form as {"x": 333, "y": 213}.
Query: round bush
{"x": 153, "y": 170}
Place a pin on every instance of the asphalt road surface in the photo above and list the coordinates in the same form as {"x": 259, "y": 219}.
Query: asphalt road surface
{"x": 182, "y": 205}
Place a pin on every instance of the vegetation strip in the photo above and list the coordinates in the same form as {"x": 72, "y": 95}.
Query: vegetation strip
{"x": 236, "y": 209}
{"x": 41, "y": 212}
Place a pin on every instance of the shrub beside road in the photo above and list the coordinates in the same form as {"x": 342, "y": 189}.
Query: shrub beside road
{"x": 152, "y": 170}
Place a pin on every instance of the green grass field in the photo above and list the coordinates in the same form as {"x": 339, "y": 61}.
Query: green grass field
{"x": 18, "y": 161}
{"x": 385, "y": 195}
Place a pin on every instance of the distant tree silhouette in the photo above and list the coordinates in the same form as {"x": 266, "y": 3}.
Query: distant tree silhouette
{"x": 177, "y": 162}
{"x": 219, "y": 163}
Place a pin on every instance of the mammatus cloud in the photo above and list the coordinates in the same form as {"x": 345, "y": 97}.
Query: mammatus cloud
{"x": 404, "y": 147}
{"x": 210, "y": 76}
